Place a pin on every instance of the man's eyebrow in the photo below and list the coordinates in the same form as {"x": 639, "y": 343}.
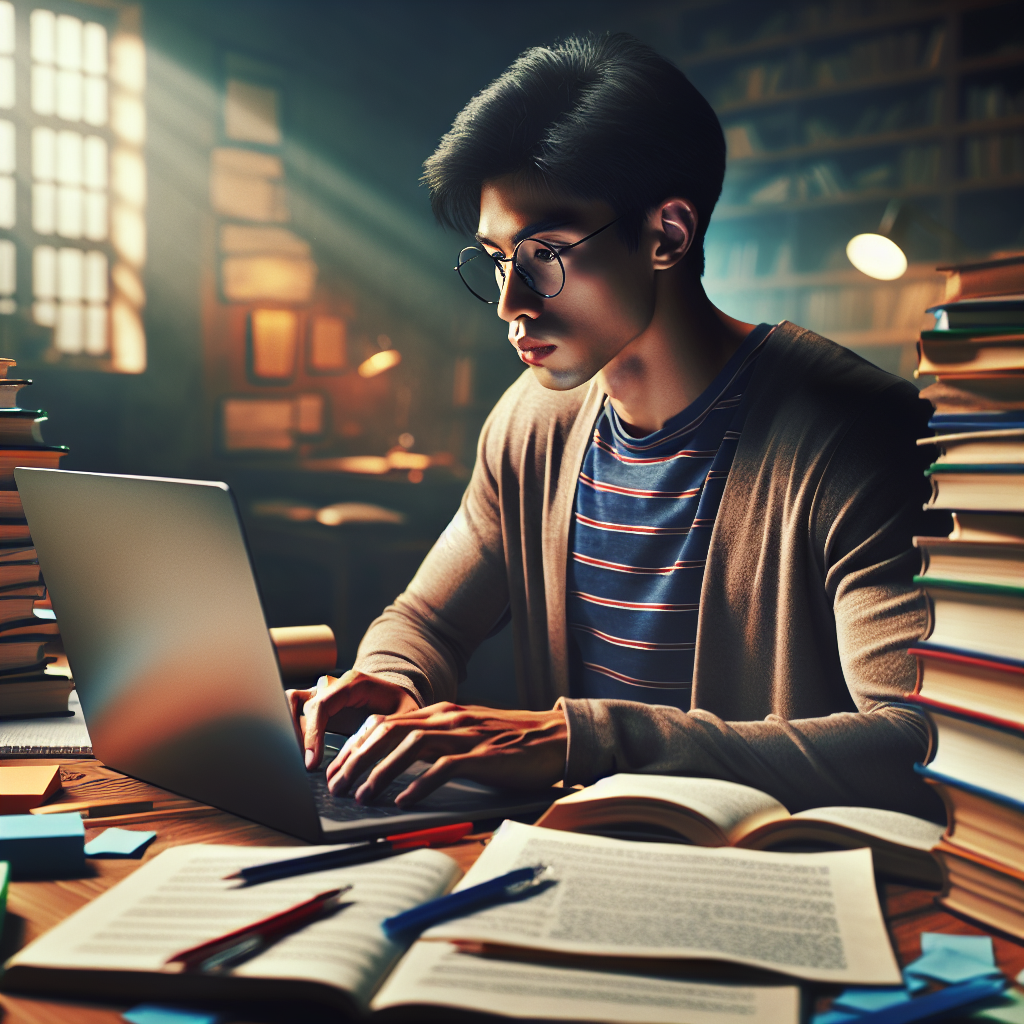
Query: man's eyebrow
{"x": 559, "y": 221}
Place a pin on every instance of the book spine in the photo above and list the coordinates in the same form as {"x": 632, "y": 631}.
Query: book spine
{"x": 930, "y": 775}
{"x": 927, "y": 650}
{"x": 966, "y": 587}
{"x": 934, "y": 707}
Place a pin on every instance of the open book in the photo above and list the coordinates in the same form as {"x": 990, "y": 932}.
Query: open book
{"x": 116, "y": 947}
{"x": 712, "y": 812}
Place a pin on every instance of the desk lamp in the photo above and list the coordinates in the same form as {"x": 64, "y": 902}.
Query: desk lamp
{"x": 880, "y": 254}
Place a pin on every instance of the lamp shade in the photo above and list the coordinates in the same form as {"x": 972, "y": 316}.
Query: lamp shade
{"x": 877, "y": 256}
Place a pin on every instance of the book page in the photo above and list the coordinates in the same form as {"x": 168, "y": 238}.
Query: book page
{"x": 726, "y": 804}
{"x": 180, "y": 899}
{"x": 55, "y": 736}
{"x": 436, "y": 973}
{"x": 811, "y": 915}
{"x": 902, "y": 829}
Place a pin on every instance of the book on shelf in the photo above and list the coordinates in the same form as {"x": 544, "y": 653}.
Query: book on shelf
{"x": 714, "y": 812}
{"x": 619, "y": 914}
{"x": 998, "y": 311}
{"x": 963, "y": 561}
{"x": 1001, "y": 276}
{"x": 962, "y": 679}
{"x": 983, "y": 487}
{"x": 986, "y": 618}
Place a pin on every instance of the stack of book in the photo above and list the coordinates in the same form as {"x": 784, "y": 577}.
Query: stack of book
{"x": 971, "y": 666}
{"x": 29, "y": 638}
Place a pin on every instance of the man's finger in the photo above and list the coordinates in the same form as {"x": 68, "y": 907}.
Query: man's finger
{"x": 378, "y": 743}
{"x": 316, "y": 726}
{"x": 353, "y": 743}
{"x": 417, "y": 746}
{"x": 440, "y": 772}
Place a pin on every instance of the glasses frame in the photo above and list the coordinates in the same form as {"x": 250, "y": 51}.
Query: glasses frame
{"x": 499, "y": 260}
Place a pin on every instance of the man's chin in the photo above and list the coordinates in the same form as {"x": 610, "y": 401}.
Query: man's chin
{"x": 560, "y": 380}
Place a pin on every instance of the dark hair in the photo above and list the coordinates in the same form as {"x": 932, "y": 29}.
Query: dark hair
{"x": 602, "y": 118}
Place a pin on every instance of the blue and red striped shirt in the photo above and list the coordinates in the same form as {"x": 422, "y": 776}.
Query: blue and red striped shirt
{"x": 642, "y": 522}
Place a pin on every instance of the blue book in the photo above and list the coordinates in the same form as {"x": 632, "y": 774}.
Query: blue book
{"x": 41, "y": 846}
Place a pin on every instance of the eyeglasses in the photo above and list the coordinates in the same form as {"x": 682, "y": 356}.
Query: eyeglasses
{"x": 538, "y": 264}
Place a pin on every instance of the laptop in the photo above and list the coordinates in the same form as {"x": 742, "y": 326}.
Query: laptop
{"x": 161, "y": 619}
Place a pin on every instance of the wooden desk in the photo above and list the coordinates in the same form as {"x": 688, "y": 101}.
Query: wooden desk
{"x": 34, "y": 907}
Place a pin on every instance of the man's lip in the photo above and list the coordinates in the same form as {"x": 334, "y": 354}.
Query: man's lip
{"x": 529, "y": 344}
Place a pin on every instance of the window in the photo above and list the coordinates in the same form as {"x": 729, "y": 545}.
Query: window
{"x": 75, "y": 143}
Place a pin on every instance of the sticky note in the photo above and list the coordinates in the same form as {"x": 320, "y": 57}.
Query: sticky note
{"x": 913, "y": 983}
{"x": 119, "y": 842}
{"x": 1009, "y": 1009}
{"x": 27, "y": 786}
{"x": 42, "y": 845}
{"x": 161, "y": 1013}
{"x": 977, "y": 947}
{"x": 833, "y": 1017}
{"x": 951, "y": 967}
{"x": 864, "y": 1000}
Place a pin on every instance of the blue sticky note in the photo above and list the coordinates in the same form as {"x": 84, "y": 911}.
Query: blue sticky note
{"x": 913, "y": 983}
{"x": 160, "y": 1013}
{"x": 833, "y": 1017}
{"x": 951, "y": 967}
{"x": 977, "y": 947}
{"x": 42, "y": 845}
{"x": 119, "y": 842}
{"x": 864, "y": 1000}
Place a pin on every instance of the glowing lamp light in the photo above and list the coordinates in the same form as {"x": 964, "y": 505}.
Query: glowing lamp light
{"x": 380, "y": 362}
{"x": 875, "y": 255}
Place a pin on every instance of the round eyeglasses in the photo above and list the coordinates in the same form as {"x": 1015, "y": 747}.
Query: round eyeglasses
{"x": 538, "y": 264}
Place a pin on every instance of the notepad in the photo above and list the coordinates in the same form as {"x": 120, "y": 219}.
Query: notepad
{"x": 23, "y": 788}
{"x": 42, "y": 846}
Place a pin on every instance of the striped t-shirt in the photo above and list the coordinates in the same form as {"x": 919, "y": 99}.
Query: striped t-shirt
{"x": 642, "y": 522}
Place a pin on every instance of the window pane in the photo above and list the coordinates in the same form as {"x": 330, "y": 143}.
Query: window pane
{"x": 70, "y": 274}
{"x": 94, "y": 49}
{"x": 95, "y": 216}
{"x": 44, "y": 154}
{"x": 6, "y": 27}
{"x": 44, "y": 90}
{"x": 69, "y": 158}
{"x": 8, "y": 267}
{"x": 7, "y": 161}
{"x": 95, "y": 101}
{"x": 128, "y": 119}
{"x": 128, "y": 62}
{"x": 43, "y": 27}
{"x": 44, "y": 272}
{"x": 129, "y": 176}
{"x": 69, "y": 336}
{"x": 69, "y": 43}
{"x": 127, "y": 339}
{"x": 96, "y": 276}
{"x": 95, "y": 330}
{"x": 95, "y": 162}
{"x": 6, "y": 83}
{"x": 128, "y": 232}
{"x": 69, "y": 212}
{"x": 69, "y": 95}
{"x": 45, "y": 313}
{"x": 7, "y": 205}
{"x": 44, "y": 209}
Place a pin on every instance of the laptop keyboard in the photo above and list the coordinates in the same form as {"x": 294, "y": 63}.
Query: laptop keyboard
{"x": 344, "y": 808}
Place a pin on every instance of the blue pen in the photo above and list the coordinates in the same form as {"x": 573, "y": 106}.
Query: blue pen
{"x": 938, "y": 1003}
{"x": 505, "y": 887}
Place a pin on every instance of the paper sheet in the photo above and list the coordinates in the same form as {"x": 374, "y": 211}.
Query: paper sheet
{"x": 56, "y": 736}
{"x": 811, "y": 915}
{"x": 180, "y": 899}
{"x": 435, "y": 973}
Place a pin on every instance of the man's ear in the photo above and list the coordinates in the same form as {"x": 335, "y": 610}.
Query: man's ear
{"x": 674, "y": 226}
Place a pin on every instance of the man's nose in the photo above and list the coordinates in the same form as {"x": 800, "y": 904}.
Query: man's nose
{"x": 517, "y": 299}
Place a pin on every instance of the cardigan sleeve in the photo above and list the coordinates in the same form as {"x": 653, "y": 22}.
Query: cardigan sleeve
{"x": 856, "y": 536}
{"x": 424, "y": 640}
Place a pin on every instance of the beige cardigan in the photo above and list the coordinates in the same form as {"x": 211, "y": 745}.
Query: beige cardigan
{"x": 807, "y": 605}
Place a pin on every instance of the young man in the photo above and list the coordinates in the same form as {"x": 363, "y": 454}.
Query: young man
{"x": 701, "y": 528}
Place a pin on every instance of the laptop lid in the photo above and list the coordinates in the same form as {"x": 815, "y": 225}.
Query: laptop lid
{"x": 153, "y": 589}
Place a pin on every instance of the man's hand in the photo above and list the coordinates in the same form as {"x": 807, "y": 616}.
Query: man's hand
{"x": 514, "y": 749}
{"x": 341, "y": 706}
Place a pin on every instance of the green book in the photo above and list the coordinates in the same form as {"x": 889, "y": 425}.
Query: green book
{"x": 972, "y": 588}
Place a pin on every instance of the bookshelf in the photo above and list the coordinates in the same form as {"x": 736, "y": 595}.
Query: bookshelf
{"x": 832, "y": 109}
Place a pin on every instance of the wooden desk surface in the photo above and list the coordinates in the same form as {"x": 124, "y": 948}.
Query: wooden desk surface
{"x": 34, "y": 907}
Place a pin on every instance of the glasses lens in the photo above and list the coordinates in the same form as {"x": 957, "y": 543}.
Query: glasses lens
{"x": 539, "y": 266}
{"x": 480, "y": 273}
